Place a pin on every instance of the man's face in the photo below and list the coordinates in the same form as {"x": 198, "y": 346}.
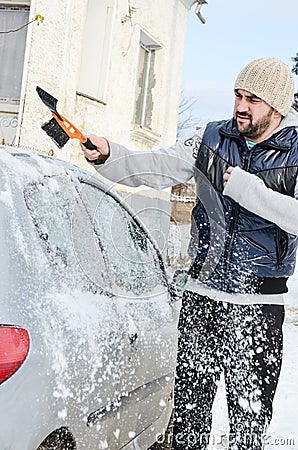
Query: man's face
{"x": 254, "y": 117}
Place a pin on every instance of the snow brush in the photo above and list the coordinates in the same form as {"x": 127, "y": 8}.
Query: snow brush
{"x": 60, "y": 129}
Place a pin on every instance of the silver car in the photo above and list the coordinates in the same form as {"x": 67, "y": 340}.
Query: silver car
{"x": 88, "y": 328}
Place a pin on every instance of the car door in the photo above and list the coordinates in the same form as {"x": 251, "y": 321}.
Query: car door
{"x": 148, "y": 317}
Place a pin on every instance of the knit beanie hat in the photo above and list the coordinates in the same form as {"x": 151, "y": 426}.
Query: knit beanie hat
{"x": 269, "y": 79}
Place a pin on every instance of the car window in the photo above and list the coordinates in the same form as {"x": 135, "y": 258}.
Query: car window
{"x": 53, "y": 203}
{"x": 134, "y": 264}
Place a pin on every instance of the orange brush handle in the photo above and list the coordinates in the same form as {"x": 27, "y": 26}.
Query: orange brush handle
{"x": 69, "y": 128}
{"x": 72, "y": 131}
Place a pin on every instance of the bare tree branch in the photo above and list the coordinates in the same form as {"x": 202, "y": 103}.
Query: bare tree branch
{"x": 187, "y": 118}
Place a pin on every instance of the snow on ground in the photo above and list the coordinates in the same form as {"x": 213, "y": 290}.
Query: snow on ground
{"x": 283, "y": 430}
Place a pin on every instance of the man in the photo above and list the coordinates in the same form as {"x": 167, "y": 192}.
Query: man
{"x": 243, "y": 246}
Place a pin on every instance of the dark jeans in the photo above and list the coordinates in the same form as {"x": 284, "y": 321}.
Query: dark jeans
{"x": 245, "y": 343}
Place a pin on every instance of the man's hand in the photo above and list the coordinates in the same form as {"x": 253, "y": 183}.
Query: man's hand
{"x": 102, "y": 151}
{"x": 227, "y": 175}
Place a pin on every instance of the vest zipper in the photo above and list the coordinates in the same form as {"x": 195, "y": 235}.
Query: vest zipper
{"x": 278, "y": 248}
{"x": 233, "y": 223}
{"x": 280, "y": 252}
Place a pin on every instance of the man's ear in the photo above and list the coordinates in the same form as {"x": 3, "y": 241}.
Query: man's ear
{"x": 277, "y": 115}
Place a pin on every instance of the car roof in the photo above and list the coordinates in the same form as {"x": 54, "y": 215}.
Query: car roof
{"x": 27, "y": 163}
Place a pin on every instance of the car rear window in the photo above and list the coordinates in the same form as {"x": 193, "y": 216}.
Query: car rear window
{"x": 53, "y": 204}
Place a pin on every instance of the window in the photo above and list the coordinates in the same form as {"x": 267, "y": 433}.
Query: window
{"x": 12, "y": 52}
{"x": 133, "y": 262}
{"x": 67, "y": 234}
{"x": 96, "y": 49}
{"x": 146, "y": 81}
{"x": 92, "y": 241}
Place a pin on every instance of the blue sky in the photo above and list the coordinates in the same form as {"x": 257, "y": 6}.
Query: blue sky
{"x": 235, "y": 32}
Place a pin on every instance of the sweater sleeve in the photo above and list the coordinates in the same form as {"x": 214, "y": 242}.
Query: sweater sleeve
{"x": 158, "y": 169}
{"x": 252, "y": 193}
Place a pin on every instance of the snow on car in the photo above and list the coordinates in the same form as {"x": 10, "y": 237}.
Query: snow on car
{"x": 88, "y": 328}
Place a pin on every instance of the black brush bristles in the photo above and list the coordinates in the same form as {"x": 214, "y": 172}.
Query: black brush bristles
{"x": 55, "y": 132}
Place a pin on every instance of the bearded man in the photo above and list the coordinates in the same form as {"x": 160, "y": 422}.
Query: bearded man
{"x": 243, "y": 244}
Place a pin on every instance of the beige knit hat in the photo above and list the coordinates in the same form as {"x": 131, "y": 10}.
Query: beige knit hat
{"x": 269, "y": 79}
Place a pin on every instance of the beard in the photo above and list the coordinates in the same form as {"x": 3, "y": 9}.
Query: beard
{"x": 253, "y": 130}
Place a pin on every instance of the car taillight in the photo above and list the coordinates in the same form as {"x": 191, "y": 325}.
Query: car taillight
{"x": 14, "y": 347}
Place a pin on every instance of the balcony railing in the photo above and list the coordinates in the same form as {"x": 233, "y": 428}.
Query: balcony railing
{"x": 8, "y": 127}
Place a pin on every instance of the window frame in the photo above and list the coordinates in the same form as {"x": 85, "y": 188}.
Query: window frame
{"x": 150, "y": 45}
{"x": 9, "y": 107}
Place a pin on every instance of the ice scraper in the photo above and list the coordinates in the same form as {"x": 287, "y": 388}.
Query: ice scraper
{"x": 60, "y": 129}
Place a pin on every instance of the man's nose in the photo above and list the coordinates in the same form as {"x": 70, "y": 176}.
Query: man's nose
{"x": 242, "y": 105}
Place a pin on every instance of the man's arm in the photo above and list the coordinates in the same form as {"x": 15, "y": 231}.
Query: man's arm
{"x": 157, "y": 169}
{"x": 251, "y": 192}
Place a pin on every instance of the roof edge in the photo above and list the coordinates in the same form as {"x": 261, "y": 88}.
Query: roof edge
{"x": 188, "y": 3}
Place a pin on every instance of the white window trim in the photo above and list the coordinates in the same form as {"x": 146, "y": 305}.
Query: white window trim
{"x": 107, "y": 46}
{"x": 149, "y": 44}
{"x": 15, "y": 3}
{"x": 148, "y": 40}
{"x": 146, "y": 84}
{"x": 140, "y": 133}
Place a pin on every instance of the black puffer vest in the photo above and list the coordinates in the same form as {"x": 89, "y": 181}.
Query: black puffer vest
{"x": 233, "y": 249}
